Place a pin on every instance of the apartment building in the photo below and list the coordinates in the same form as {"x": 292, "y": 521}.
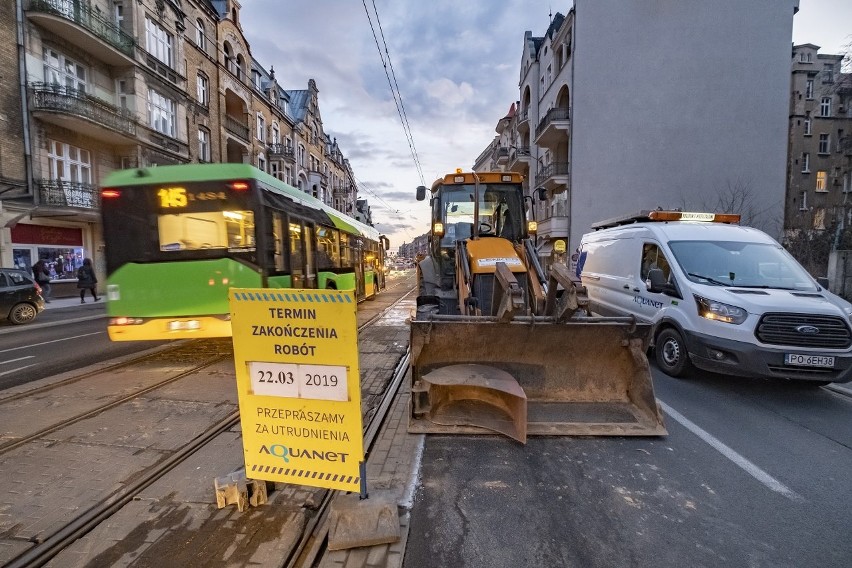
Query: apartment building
{"x": 91, "y": 86}
{"x": 819, "y": 176}
{"x": 624, "y": 107}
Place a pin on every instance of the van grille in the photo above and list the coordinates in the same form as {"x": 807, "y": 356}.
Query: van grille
{"x": 783, "y": 329}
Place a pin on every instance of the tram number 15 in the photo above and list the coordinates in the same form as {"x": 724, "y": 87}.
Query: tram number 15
{"x": 291, "y": 380}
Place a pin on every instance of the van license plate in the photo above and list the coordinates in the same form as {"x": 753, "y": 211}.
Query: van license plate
{"x": 809, "y": 360}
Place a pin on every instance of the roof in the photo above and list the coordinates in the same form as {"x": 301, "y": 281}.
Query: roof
{"x": 299, "y": 104}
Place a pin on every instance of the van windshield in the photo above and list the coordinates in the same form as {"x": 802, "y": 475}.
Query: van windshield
{"x": 744, "y": 265}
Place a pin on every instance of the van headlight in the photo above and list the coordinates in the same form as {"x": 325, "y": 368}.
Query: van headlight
{"x": 718, "y": 311}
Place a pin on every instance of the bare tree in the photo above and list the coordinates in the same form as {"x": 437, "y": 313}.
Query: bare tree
{"x": 739, "y": 196}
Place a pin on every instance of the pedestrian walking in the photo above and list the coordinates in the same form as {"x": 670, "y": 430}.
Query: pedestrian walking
{"x": 86, "y": 280}
{"x": 42, "y": 278}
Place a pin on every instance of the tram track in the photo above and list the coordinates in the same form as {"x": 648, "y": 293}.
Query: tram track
{"x": 312, "y": 542}
{"x": 169, "y": 355}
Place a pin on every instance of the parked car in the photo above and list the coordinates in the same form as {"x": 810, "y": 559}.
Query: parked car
{"x": 20, "y": 296}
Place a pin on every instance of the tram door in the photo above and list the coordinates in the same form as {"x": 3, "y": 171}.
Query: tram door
{"x": 310, "y": 257}
{"x": 302, "y": 254}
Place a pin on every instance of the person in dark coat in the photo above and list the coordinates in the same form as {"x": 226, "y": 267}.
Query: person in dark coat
{"x": 42, "y": 278}
{"x": 86, "y": 280}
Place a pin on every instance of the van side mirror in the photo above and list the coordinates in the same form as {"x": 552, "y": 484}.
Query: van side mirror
{"x": 658, "y": 284}
{"x": 421, "y": 192}
{"x": 823, "y": 281}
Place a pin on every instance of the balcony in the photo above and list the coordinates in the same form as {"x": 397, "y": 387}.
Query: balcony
{"x": 501, "y": 155}
{"x": 523, "y": 124}
{"x": 555, "y": 227}
{"x": 59, "y": 193}
{"x": 80, "y": 112}
{"x": 553, "y": 128}
{"x": 519, "y": 159}
{"x": 316, "y": 176}
{"x": 85, "y": 28}
{"x": 283, "y": 152}
{"x": 237, "y": 128}
{"x": 554, "y": 177}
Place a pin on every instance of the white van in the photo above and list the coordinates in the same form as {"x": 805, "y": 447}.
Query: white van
{"x": 722, "y": 297}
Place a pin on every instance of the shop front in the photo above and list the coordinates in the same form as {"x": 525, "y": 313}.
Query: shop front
{"x": 61, "y": 249}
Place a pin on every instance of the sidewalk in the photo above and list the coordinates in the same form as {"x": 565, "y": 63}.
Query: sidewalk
{"x": 71, "y": 302}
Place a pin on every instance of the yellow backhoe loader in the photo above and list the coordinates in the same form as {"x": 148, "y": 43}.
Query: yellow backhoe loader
{"x": 498, "y": 347}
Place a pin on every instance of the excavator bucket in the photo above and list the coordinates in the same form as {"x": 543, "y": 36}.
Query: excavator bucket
{"x": 586, "y": 377}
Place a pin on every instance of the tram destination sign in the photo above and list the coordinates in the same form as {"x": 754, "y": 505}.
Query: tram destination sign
{"x": 298, "y": 383}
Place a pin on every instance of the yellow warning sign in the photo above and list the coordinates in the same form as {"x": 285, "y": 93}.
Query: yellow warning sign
{"x": 298, "y": 381}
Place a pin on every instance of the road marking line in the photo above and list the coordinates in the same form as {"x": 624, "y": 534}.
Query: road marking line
{"x": 18, "y": 359}
{"x": 726, "y": 451}
{"x": 18, "y": 369}
{"x": 53, "y": 341}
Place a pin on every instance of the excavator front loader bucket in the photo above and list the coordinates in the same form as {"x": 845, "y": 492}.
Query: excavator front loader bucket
{"x": 585, "y": 377}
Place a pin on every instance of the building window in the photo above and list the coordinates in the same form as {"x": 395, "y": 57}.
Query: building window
{"x": 200, "y": 39}
{"x": 122, "y": 91}
{"x": 823, "y": 144}
{"x": 288, "y": 175}
{"x": 261, "y": 128}
{"x": 821, "y": 178}
{"x": 301, "y": 156}
{"x": 804, "y": 205}
{"x": 68, "y": 163}
{"x": 806, "y": 163}
{"x": 161, "y": 113}
{"x": 274, "y": 169}
{"x": 203, "y": 89}
{"x": 805, "y": 57}
{"x": 61, "y": 70}
{"x": 261, "y": 163}
{"x": 808, "y": 126}
{"x": 158, "y": 41}
{"x": 276, "y": 134}
{"x": 809, "y": 89}
{"x": 825, "y": 106}
{"x": 828, "y": 73}
{"x": 118, "y": 14}
{"x": 203, "y": 145}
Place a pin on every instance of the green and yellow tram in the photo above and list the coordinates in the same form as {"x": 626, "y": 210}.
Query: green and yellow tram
{"x": 178, "y": 237}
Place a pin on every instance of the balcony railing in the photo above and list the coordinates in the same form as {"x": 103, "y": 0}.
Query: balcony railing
{"x": 68, "y": 194}
{"x": 58, "y": 98}
{"x": 554, "y": 115}
{"x": 237, "y": 128}
{"x": 552, "y": 170}
{"x": 92, "y": 20}
{"x": 285, "y": 151}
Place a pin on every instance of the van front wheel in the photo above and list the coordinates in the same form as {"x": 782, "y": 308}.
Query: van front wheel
{"x": 671, "y": 353}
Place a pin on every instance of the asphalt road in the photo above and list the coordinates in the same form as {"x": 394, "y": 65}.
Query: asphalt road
{"x": 59, "y": 340}
{"x": 753, "y": 473}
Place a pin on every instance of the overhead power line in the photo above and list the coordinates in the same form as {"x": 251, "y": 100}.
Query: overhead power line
{"x": 394, "y": 86}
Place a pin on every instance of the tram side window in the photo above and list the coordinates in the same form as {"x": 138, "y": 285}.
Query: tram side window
{"x": 328, "y": 249}
{"x": 278, "y": 242}
{"x": 346, "y": 250}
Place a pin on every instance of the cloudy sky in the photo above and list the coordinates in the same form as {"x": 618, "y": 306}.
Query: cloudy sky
{"x": 456, "y": 64}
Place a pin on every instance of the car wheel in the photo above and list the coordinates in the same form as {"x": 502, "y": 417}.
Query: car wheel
{"x": 672, "y": 357}
{"x": 22, "y": 313}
